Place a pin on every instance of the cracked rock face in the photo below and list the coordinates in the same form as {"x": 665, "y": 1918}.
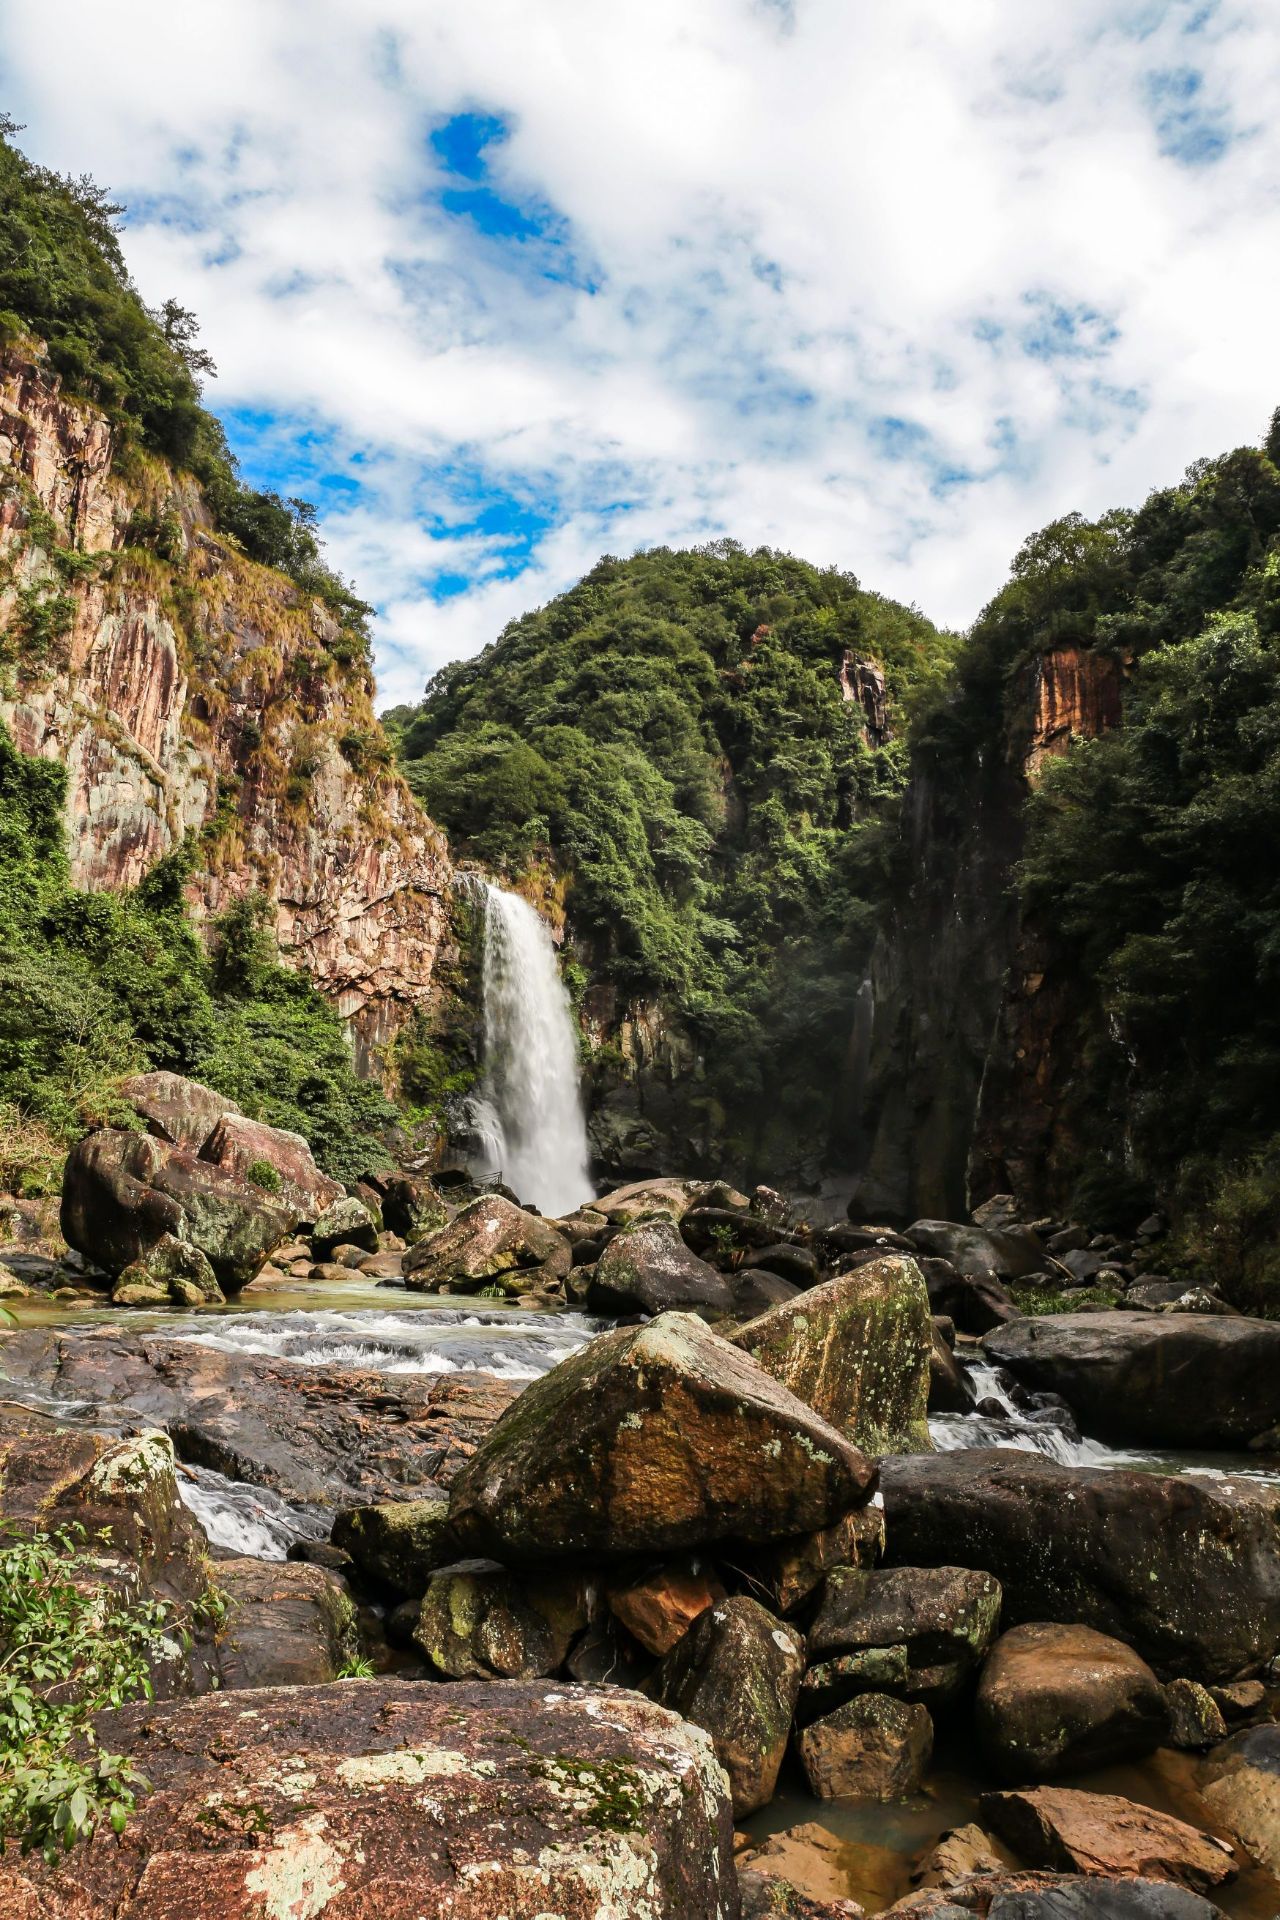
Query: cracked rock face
{"x": 160, "y": 718}
{"x": 392, "y": 1800}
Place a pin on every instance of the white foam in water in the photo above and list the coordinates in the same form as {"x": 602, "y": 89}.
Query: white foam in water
{"x": 248, "y": 1520}
{"x": 513, "y": 1346}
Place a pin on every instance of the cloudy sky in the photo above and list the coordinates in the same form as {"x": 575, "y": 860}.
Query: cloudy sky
{"x": 505, "y": 286}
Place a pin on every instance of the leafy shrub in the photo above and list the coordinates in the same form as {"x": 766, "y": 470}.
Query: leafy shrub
{"x": 70, "y": 1647}
{"x": 261, "y": 1173}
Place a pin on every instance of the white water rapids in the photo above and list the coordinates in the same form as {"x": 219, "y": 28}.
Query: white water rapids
{"x": 529, "y": 1117}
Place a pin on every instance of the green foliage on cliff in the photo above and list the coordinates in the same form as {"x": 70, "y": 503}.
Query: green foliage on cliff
{"x": 63, "y": 281}
{"x": 97, "y": 985}
{"x": 1150, "y": 868}
{"x": 673, "y": 730}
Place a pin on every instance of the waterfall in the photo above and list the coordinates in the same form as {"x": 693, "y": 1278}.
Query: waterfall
{"x": 529, "y": 1115}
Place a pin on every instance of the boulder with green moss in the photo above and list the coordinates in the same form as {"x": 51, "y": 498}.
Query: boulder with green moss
{"x": 172, "y": 1271}
{"x": 647, "y": 1268}
{"x": 857, "y": 1349}
{"x": 737, "y": 1673}
{"x": 650, "y": 1439}
{"x": 477, "y": 1621}
{"x": 398, "y": 1543}
{"x": 491, "y": 1241}
{"x": 931, "y": 1626}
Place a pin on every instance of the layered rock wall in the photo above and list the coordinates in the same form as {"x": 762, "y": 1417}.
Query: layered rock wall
{"x": 189, "y": 691}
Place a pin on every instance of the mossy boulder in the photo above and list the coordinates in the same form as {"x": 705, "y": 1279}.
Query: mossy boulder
{"x": 942, "y": 1619}
{"x": 858, "y": 1350}
{"x": 491, "y": 1240}
{"x": 398, "y": 1543}
{"x": 345, "y": 1222}
{"x": 651, "y": 1439}
{"x": 480, "y": 1622}
{"x": 737, "y": 1673}
{"x": 1065, "y": 1699}
{"x": 647, "y": 1268}
{"x": 170, "y": 1271}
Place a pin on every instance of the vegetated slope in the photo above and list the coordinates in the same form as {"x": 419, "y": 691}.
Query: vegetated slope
{"x": 173, "y": 642}
{"x": 702, "y": 747}
{"x": 1137, "y": 1056}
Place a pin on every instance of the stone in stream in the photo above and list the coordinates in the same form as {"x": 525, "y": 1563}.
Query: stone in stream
{"x": 316, "y": 1435}
{"x": 647, "y": 1268}
{"x": 346, "y": 1221}
{"x": 170, "y": 1271}
{"x": 949, "y": 1389}
{"x": 1165, "y": 1380}
{"x": 736, "y": 1673}
{"x": 1186, "y": 1570}
{"x": 490, "y": 1241}
{"x": 408, "y": 1802}
{"x": 871, "y": 1748}
{"x": 1194, "y": 1717}
{"x": 920, "y": 1631}
{"x": 124, "y": 1192}
{"x": 724, "y": 1231}
{"x": 412, "y": 1205}
{"x": 1104, "y": 1834}
{"x": 658, "y": 1608}
{"x": 1058, "y": 1896}
{"x": 1007, "y": 1254}
{"x": 477, "y": 1621}
{"x": 810, "y": 1861}
{"x": 857, "y": 1350}
{"x": 1055, "y": 1699}
{"x": 287, "y": 1624}
{"x": 1241, "y": 1787}
{"x": 398, "y": 1543}
{"x": 648, "y": 1440}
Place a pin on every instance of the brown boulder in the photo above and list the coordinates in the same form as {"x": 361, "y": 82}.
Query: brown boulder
{"x": 244, "y": 1147}
{"x": 785, "y": 1574}
{"x": 1101, "y": 1833}
{"x": 659, "y": 1607}
{"x": 479, "y": 1622}
{"x": 1242, "y": 1788}
{"x": 871, "y": 1748}
{"x": 286, "y": 1625}
{"x": 388, "y": 1800}
{"x": 490, "y": 1242}
{"x": 737, "y": 1672}
{"x": 1055, "y": 1699}
{"x": 653, "y": 1439}
{"x": 822, "y": 1867}
{"x": 181, "y": 1111}
{"x": 398, "y": 1543}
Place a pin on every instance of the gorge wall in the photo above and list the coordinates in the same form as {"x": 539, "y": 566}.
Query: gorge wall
{"x": 191, "y": 692}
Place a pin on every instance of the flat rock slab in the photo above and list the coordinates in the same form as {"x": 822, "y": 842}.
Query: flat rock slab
{"x": 389, "y": 1800}
{"x": 1061, "y": 1896}
{"x": 1186, "y": 1570}
{"x": 328, "y": 1436}
{"x": 1104, "y": 1834}
{"x": 1166, "y": 1379}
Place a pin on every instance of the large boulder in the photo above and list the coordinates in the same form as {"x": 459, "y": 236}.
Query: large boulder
{"x": 737, "y": 1672}
{"x": 122, "y": 1193}
{"x": 1006, "y": 1254}
{"x": 1185, "y": 1570}
{"x": 650, "y": 1439}
{"x": 871, "y": 1748}
{"x": 858, "y": 1351}
{"x": 975, "y": 1302}
{"x": 1241, "y": 1786}
{"x": 1055, "y": 1699}
{"x": 647, "y": 1268}
{"x": 929, "y": 1627}
{"x": 647, "y": 1199}
{"x": 183, "y": 1112}
{"x": 274, "y": 1160}
{"x": 1104, "y": 1834}
{"x": 1159, "y": 1379}
{"x": 388, "y": 1798}
{"x": 491, "y": 1240}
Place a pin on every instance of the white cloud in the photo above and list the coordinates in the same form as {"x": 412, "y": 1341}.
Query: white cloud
{"x": 776, "y": 228}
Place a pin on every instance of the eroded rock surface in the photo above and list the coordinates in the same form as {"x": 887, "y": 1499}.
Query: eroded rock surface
{"x": 386, "y": 1798}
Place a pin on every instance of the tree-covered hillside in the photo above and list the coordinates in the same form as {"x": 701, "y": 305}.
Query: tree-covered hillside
{"x": 674, "y": 735}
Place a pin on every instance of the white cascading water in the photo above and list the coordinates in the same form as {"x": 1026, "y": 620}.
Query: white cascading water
{"x": 530, "y": 1116}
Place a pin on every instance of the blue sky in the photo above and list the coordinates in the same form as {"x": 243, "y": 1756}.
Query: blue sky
{"x": 504, "y": 288}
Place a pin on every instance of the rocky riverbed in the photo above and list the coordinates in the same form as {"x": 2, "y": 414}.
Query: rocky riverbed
{"x": 698, "y": 1561}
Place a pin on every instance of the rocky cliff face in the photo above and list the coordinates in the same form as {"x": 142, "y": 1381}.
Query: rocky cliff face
{"x": 960, "y": 1071}
{"x": 191, "y": 692}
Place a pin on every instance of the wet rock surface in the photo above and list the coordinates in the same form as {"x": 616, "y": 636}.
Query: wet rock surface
{"x": 393, "y": 1799}
{"x": 647, "y": 1268}
{"x": 1056, "y": 1700}
{"x": 320, "y": 1436}
{"x": 920, "y": 1631}
{"x": 871, "y": 1748}
{"x": 1163, "y": 1379}
{"x": 1103, "y": 1834}
{"x": 490, "y": 1242}
{"x": 1187, "y": 1571}
{"x": 653, "y": 1438}
{"x": 1242, "y": 1786}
